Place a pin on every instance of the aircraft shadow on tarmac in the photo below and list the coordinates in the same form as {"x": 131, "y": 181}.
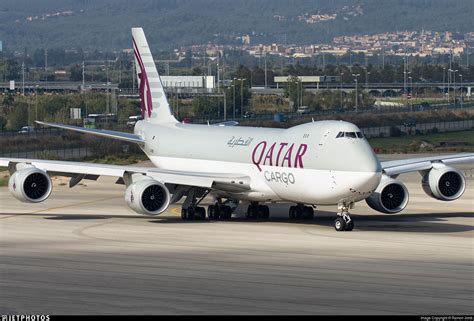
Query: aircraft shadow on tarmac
{"x": 424, "y": 223}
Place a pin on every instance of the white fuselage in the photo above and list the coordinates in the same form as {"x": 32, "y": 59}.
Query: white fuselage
{"x": 303, "y": 164}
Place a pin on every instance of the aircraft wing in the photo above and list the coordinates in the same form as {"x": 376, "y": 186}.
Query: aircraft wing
{"x": 227, "y": 123}
{"x": 397, "y": 167}
{"x": 98, "y": 132}
{"x": 80, "y": 170}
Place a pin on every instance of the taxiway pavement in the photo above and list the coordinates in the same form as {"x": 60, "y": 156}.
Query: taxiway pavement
{"x": 84, "y": 252}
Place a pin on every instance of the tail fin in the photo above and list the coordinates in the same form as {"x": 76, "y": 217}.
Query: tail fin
{"x": 153, "y": 102}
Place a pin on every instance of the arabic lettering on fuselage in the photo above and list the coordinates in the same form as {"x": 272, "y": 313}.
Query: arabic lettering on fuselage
{"x": 278, "y": 154}
{"x": 239, "y": 141}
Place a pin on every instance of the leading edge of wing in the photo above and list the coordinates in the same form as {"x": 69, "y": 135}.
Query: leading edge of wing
{"x": 396, "y": 167}
{"x": 132, "y": 138}
{"x": 229, "y": 182}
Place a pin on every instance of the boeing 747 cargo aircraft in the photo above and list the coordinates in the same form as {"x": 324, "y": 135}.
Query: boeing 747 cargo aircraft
{"x": 318, "y": 163}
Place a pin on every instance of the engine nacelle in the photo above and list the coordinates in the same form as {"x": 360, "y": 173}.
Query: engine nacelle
{"x": 147, "y": 196}
{"x": 390, "y": 197}
{"x": 30, "y": 185}
{"x": 444, "y": 183}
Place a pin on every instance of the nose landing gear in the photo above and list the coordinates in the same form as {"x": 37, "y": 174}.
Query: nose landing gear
{"x": 344, "y": 221}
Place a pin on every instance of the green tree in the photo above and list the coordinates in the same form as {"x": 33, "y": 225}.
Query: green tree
{"x": 18, "y": 116}
{"x": 293, "y": 91}
{"x": 205, "y": 107}
{"x": 76, "y": 72}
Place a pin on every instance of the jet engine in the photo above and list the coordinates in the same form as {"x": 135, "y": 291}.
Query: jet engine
{"x": 390, "y": 197}
{"x": 444, "y": 183}
{"x": 147, "y": 196}
{"x": 30, "y": 185}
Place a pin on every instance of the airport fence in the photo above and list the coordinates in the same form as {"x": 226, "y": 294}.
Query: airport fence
{"x": 283, "y": 116}
{"x": 46, "y": 131}
{"x": 67, "y": 153}
{"x": 423, "y": 128}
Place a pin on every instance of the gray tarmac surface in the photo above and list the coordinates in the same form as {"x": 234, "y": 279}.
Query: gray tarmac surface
{"x": 84, "y": 252}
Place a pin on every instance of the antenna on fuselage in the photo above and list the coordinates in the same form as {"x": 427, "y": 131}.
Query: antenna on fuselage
{"x": 312, "y": 119}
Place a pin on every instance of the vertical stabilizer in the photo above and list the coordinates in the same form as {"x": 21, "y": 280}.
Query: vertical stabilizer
{"x": 153, "y": 102}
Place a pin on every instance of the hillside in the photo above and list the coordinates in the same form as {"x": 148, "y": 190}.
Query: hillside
{"x": 105, "y": 24}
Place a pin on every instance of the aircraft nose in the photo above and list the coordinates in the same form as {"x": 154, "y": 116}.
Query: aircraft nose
{"x": 370, "y": 163}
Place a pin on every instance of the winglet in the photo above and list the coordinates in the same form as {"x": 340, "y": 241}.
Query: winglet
{"x": 153, "y": 102}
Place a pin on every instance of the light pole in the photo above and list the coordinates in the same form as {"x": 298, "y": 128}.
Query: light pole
{"x": 444, "y": 84}
{"x": 449, "y": 84}
{"x": 406, "y": 79}
{"x": 265, "y": 70}
{"x": 225, "y": 104}
{"x": 367, "y": 73}
{"x": 341, "y": 88}
{"x": 241, "y": 97}
{"x": 411, "y": 93}
{"x": 462, "y": 98}
{"x": 83, "y": 75}
{"x": 36, "y": 102}
{"x": 23, "y": 77}
{"x": 233, "y": 87}
{"x": 356, "y": 94}
{"x": 454, "y": 86}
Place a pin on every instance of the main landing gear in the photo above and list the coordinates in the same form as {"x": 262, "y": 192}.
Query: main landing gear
{"x": 190, "y": 210}
{"x": 220, "y": 211}
{"x": 344, "y": 221}
{"x": 256, "y": 211}
{"x": 300, "y": 211}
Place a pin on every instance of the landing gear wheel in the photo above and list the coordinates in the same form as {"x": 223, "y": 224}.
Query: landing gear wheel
{"x": 190, "y": 214}
{"x": 225, "y": 212}
{"x": 350, "y": 226}
{"x": 252, "y": 212}
{"x": 183, "y": 214}
{"x": 308, "y": 213}
{"x": 263, "y": 212}
{"x": 340, "y": 224}
{"x": 200, "y": 213}
{"x": 292, "y": 212}
{"x": 211, "y": 212}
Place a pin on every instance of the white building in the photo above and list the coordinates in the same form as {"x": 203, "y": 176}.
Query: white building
{"x": 205, "y": 82}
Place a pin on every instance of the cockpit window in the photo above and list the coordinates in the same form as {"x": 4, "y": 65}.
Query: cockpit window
{"x": 350, "y": 135}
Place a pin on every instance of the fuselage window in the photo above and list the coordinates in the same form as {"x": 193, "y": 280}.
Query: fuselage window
{"x": 341, "y": 134}
{"x": 359, "y": 135}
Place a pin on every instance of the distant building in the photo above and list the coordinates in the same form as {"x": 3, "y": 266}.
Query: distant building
{"x": 246, "y": 40}
{"x": 205, "y": 82}
{"x": 307, "y": 79}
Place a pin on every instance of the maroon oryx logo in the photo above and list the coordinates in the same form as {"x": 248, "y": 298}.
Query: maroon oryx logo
{"x": 144, "y": 90}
